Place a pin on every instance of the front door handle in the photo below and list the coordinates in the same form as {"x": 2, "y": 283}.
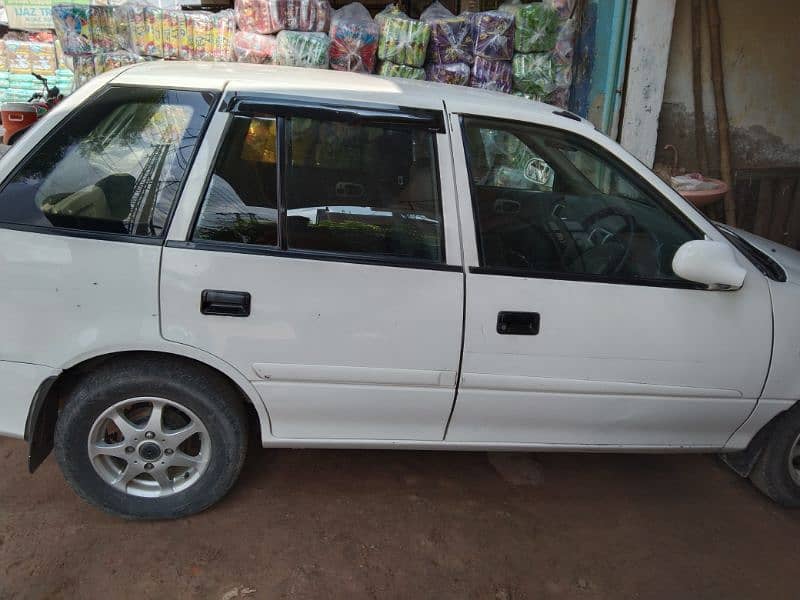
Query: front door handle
{"x": 225, "y": 303}
{"x": 518, "y": 323}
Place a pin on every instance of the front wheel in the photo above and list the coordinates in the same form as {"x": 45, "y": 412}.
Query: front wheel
{"x": 777, "y": 472}
{"x": 151, "y": 438}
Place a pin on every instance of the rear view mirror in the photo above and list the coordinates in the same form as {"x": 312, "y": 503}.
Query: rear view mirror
{"x": 711, "y": 263}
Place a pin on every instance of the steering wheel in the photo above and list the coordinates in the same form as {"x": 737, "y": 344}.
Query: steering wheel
{"x": 610, "y": 255}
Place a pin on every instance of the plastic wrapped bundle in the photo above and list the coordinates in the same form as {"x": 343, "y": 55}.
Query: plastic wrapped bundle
{"x": 533, "y": 73}
{"x": 152, "y": 43}
{"x": 495, "y": 75}
{"x": 175, "y": 30}
{"x": 354, "y": 39}
{"x": 253, "y": 47}
{"x": 389, "y": 69}
{"x": 404, "y": 41}
{"x": 537, "y": 28}
{"x": 271, "y": 16}
{"x": 106, "y": 61}
{"x": 103, "y": 28}
{"x": 71, "y": 22}
{"x": 564, "y": 8}
{"x": 43, "y": 58}
{"x": 451, "y": 36}
{"x": 390, "y": 10}
{"x": 452, "y": 73}
{"x": 494, "y": 35}
{"x": 18, "y": 56}
{"x": 302, "y": 49}
{"x": 212, "y": 35}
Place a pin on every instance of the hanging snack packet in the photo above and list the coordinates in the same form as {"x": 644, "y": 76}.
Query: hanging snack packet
{"x": 153, "y": 32}
{"x": 354, "y": 39}
{"x": 222, "y": 36}
{"x": 302, "y": 49}
{"x": 172, "y": 23}
{"x": 102, "y": 25}
{"x": 71, "y": 22}
{"x": 202, "y": 26}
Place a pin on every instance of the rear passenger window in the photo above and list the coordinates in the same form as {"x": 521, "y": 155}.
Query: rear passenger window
{"x": 115, "y": 166}
{"x": 348, "y": 189}
{"x": 362, "y": 189}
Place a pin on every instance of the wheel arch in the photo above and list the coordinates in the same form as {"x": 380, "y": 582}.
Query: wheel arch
{"x": 43, "y": 412}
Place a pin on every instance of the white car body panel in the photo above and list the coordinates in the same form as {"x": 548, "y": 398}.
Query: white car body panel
{"x": 324, "y": 371}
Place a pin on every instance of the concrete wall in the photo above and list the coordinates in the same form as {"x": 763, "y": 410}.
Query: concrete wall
{"x": 761, "y": 60}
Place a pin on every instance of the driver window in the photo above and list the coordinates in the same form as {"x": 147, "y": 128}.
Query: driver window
{"x": 569, "y": 208}
{"x": 115, "y": 166}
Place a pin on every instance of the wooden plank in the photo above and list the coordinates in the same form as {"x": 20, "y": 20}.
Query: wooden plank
{"x": 781, "y": 207}
{"x": 764, "y": 207}
{"x": 793, "y": 226}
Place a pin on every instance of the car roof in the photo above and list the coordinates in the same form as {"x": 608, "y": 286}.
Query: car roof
{"x": 337, "y": 85}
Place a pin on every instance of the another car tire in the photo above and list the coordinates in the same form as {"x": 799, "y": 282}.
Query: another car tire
{"x": 191, "y": 397}
{"x": 777, "y": 471}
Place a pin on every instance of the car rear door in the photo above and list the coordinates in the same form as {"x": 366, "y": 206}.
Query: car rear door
{"x": 577, "y": 331}
{"x": 323, "y": 262}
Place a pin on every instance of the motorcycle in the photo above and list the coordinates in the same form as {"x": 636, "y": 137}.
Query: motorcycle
{"x": 17, "y": 117}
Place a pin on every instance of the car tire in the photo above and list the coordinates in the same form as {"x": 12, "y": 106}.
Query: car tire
{"x": 777, "y": 471}
{"x": 108, "y": 430}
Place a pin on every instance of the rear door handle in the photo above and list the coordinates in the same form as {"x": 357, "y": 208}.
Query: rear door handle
{"x": 225, "y": 303}
{"x": 518, "y": 323}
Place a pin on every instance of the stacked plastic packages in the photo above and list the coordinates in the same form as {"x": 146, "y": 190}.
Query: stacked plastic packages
{"x": 305, "y": 23}
{"x": 493, "y": 32}
{"x": 354, "y": 39}
{"x": 450, "y": 48}
{"x": 21, "y": 55}
{"x": 563, "y": 54}
{"x": 403, "y": 43}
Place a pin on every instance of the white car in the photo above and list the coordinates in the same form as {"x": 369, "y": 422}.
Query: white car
{"x": 189, "y": 252}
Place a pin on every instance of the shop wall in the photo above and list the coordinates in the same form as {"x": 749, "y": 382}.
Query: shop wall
{"x": 761, "y": 61}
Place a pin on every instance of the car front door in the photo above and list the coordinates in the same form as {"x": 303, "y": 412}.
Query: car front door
{"x": 577, "y": 331}
{"x": 319, "y": 264}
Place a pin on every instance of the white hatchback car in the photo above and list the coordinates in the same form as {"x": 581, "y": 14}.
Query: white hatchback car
{"x": 350, "y": 261}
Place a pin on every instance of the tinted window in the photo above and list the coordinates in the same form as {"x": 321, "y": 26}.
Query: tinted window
{"x": 241, "y": 202}
{"x": 564, "y": 206}
{"x": 115, "y": 166}
{"x": 362, "y": 189}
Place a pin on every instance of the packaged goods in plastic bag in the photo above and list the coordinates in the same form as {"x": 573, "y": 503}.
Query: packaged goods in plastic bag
{"x": 536, "y": 28}
{"x": 153, "y": 42}
{"x": 390, "y": 10}
{"x": 103, "y": 28}
{"x": 564, "y": 8}
{"x": 494, "y": 34}
{"x": 212, "y": 35}
{"x": 452, "y": 73}
{"x": 389, "y": 69}
{"x": 271, "y": 16}
{"x": 222, "y": 36}
{"x": 354, "y": 39}
{"x": 495, "y": 75}
{"x": 451, "y": 37}
{"x": 43, "y": 58}
{"x": 302, "y": 49}
{"x": 251, "y": 47}
{"x": 171, "y": 31}
{"x": 533, "y": 73}
{"x": 404, "y": 41}
{"x": 106, "y": 61}
{"x": 18, "y": 56}
{"x": 71, "y": 22}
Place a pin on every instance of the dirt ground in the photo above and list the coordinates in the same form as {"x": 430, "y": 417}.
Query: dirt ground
{"x": 381, "y": 524}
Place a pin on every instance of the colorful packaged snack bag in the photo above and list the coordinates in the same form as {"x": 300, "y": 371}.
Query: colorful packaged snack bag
{"x": 404, "y": 41}
{"x": 536, "y": 28}
{"x": 452, "y": 73}
{"x": 18, "y": 56}
{"x": 222, "y": 36}
{"x": 137, "y": 27}
{"x": 251, "y": 47}
{"x": 43, "y": 59}
{"x": 302, "y": 49}
{"x": 185, "y": 38}
{"x": 202, "y": 26}
{"x": 495, "y": 75}
{"x": 389, "y": 69}
{"x": 173, "y": 22}
{"x": 297, "y": 15}
{"x": 451, "y": 37}
{"x": 106, "y": 61}
{"x": 153, "y": 32}
{"x": 494, "y": 35}
{"x": 354, "y": 39}
{"x": 102, "y": 25}
{"x": 71, "y": 22}
{"x": 533, "y": 73}
{"x": 252, "y": 16}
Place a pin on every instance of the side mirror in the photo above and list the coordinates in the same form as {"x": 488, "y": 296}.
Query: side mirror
{"x": 711, "y": 263}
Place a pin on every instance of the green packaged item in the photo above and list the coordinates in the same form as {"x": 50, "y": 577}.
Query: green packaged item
{"x": 302, "y": 49}
{"x": 404, "y": 41}
{"x": 389, "y": 69}
{"x": 537, "y": 28}
{"x": 533, "y": 73}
